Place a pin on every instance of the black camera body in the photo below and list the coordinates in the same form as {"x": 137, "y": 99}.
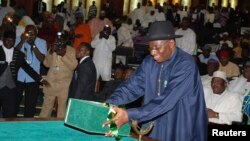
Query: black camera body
{"x": 106, "y": 31}
{"x": 105, "y": 34}
{"x": 60, "y": 44}
{"x": 29, "y": 34}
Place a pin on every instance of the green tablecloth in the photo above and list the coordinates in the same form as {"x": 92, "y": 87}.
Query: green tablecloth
{"x": 47, "y": 131}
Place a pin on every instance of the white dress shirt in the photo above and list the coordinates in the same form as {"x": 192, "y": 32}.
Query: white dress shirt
{"x": 227, "y": 104}
{"x": 83, "y": 59}
{"x": 239, "y": 85}
{"x": 8, "y": 54}
{"x": 188, "y": 41}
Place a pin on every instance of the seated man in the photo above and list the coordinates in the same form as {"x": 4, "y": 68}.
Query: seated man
{"x": 110, "y": 86}
{"x": 241, "y": 84}
{"x": 207, "y": 55}
{"x": 231, "y": 69}
{"x": 212, "y": 66}
{"x": 128, "y": 72}
{"x": 223, "y": 106}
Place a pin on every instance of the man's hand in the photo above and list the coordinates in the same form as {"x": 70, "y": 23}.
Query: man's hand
{"x": 31, "y": 42}
{"x": 45, "y": 83}
{"x": 61, "y": 52}
{"x": 120, "y": 118}
{"x": 24, "y": 37}
{"x": 106, "y": 37}
{"x": 211, "y": 113}
{"x": 101, "y": 35}
{"x": 52, "y": 48}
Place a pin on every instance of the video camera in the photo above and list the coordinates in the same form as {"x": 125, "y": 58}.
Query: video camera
{"x": 106, "y": 31}
{"x": 60, "y": 44}
{"x": 29, "y": 34}
{"x": 10, "y": 17}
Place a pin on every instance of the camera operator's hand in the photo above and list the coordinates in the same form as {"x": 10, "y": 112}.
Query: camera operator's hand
{"x": 52, "y": 48}
{"x": 106, "y": 36}
{"x": 45, "y": 83}
{"x": 31, "y": 42}
{"x": 101, "y": 35}
{"x": 24, "y": 37}
{"x": 61, "y": 52}
{"x": 106, "y": 32}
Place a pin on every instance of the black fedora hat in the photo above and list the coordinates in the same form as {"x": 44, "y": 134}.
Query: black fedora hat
{"x": 161, "y": 30}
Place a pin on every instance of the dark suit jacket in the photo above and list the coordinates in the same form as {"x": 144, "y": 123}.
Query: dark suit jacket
{"x": 17, "y": 62}
{"x": 83, "y": 83}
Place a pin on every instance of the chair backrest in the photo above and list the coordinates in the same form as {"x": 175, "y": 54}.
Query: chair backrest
{"x": 124, "y": 51}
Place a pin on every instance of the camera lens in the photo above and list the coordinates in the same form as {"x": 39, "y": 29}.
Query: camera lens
{"x": 27, "y": 34}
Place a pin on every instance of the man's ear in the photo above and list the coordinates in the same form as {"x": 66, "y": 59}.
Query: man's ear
{"x": 172, "y": 42}
{"x": 225, "y": 83}
{"x": 88, "y": 52}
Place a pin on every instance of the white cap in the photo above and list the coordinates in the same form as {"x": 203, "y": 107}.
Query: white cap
{"x": 26, "y": 20}
{"x": 220, "y": 74}
{"x": 225, "y": 33}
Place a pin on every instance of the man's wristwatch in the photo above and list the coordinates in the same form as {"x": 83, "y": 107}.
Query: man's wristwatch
{"x": 41, "y": 80}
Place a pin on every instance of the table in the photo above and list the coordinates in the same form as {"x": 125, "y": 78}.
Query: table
{"x": 47, "y": 131}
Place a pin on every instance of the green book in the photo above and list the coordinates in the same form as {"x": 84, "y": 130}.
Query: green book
{"x": 89, "y": 116}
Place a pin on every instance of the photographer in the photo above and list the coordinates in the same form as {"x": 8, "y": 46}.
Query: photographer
{"x": 61, "y": 62}
{"x": 104, "y": 44}
{"x": 35, "y": 50}
{"x": 11, "y": 61}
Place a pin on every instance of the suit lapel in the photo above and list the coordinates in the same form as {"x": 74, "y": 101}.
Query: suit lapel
{"x": 15, "y": 54}
{"x": 78, "y": 67}
{"x": 86, "y": 59}
{"x": 14, "y": 62}
{"x": 2, "y": 54}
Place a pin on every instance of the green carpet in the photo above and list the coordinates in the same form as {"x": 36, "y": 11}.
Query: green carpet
{"x": 47, "y": 131}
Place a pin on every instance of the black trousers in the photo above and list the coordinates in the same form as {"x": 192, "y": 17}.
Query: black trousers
{"x": 31, "y": 91}
{"x": 8, "y": 102}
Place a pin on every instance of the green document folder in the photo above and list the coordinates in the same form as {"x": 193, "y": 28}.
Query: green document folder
{"x": 89, "y": 116}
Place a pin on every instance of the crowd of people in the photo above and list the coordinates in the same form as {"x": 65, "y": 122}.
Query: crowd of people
{"x": 197, "y": 56}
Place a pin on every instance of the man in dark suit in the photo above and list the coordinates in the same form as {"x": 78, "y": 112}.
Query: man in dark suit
{"x": 11, "y": 59}
{"x": 82, "y": 85}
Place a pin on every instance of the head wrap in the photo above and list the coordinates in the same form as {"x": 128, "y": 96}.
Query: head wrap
{"x": 26, "y": 20}
{"x": 207, "y": 47}
{"x": 212, "y": 61}
{"x": 224, "y": 53}
{"x": 225, "y": 33}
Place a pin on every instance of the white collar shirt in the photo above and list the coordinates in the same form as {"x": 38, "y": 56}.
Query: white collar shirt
{"x": 8, "y": 54}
